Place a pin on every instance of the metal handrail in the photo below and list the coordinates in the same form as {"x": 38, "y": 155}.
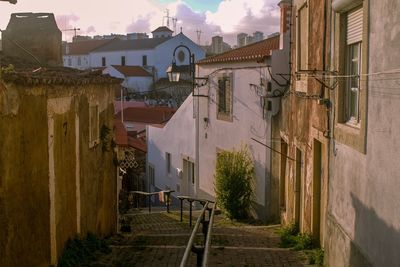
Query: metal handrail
{"x": 149, "y": 194}
{"x": 193, "y": 235}
{"x": 191, "y": 200}
{"x": 208, "y": 239}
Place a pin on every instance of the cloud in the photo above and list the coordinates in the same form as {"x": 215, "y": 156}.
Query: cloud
{"x": 122, "y": 16}
{"x": 90, "y": 29}
{"x": 141, "y": 24}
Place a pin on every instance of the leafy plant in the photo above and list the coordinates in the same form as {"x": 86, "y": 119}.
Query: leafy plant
{"x": 104, "y": 133}
{"x": 316, "y": 256}
{"x": 78, "y": 250}
{"x": 234, "y": 176}
{"x": 288, "y": 235}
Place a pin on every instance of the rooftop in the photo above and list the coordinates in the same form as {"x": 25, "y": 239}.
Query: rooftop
{"x": 136, "y": 44}
{"x": 19, "y": 71}
{"x": 253, "y": 52}
{"x": 150, "y": 115}
{"x": 162, "y": 29}
{"x": 85, "y": 47}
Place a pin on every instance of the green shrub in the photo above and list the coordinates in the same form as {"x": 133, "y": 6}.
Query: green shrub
{"x": 303, "y": 241}
{"x": 234, "y": 176}
{"x": 78, "y": 250}
{"x": 316, "y": 256}
{"x": 288, "y": 235}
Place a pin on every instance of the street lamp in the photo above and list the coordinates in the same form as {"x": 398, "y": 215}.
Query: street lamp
{"x": 174, "y": 72}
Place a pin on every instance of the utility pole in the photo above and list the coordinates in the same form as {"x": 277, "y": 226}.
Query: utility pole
{"x": 174, "y": 21}
{"x": 74, "y": 29}
{"x": 167, "y": 16}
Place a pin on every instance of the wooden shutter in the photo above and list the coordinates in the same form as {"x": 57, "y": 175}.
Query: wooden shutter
{"x": 354, "y": 26}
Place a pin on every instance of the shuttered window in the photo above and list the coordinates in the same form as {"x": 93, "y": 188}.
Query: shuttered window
{"x": 354, "y": 26}
{"x": 224, "y": 97}
{"x": 302, "y": 37}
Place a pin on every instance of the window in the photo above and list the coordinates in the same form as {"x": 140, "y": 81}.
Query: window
{"x": 168, "y": 161}
{"x": 350, "y": 59}
{"x": 93, "y": 125}
{"x": 302, "y": 37}
{"x": 123, "y": 61}
{"x": 69, "y": 62}
{"x": 103, "y": 61}
{"x": 224, "y": 98}
{"x": 144, "y": 60}
{"x": 151, "y": 175}
{"x": 353, "y": 65}
{"x": 79, "y": 61}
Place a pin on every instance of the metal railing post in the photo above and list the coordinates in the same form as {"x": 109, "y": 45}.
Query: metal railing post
{"x": 190, "y": 213}
{"x": 168, "y": 201}
{"x": 149, "y": 203}
{"x": 181, "y": 199}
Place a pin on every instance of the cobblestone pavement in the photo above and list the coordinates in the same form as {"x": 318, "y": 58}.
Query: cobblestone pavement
{"x": 159, "y": 239}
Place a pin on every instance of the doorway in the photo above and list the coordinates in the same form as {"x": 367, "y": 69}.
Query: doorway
{"x": 298, "y": 213}
{"x": 316, "y": 186}
{"x": 188, "y": 179}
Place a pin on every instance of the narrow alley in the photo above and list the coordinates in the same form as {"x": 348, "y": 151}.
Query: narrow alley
{"x": 160, "y": 239}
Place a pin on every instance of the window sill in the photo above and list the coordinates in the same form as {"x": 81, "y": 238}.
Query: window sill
{"x": 351, "y": 135}
{"x": 224, "y": 117}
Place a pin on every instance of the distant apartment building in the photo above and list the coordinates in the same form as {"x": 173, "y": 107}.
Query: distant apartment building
{"x": 218, "y": 45}
{"x": 246, "y": 39}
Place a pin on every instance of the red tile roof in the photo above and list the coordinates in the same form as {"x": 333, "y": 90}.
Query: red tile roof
{"x": 137, "y": 143}
{"x": 150, "y": 115}
{"x": 162, "y": 29}
{"x": 85, "y": 47}
{"x": 253, "y": 52}
{"x": 121, "y": 135}
{"x": 132, "y": 71}
{"x": 127, "y": 104}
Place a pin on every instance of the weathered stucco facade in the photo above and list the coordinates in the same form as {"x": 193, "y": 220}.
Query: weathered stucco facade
{"x": 54, "y": 183}
{"x": 301, "y": 129}
{"x": 363, "y": 222}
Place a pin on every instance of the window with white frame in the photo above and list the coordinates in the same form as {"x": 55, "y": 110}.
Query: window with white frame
{"x": 168, "y": 161}
{"x": 93, "y": 125}
{"x": 354, "y": 29}
{"x": 224, "y": 97}
{"x": 79, "y": 61}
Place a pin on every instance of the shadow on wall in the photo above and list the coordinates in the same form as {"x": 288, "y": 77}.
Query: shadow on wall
{"x": 374, "y": 235}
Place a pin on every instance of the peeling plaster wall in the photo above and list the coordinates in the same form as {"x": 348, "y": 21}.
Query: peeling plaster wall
{"x": 50, "y": 191}
{"x": 300, "y": 122}
{"x": 364, "y": 219}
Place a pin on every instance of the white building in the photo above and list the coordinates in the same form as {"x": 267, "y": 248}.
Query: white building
{"x": 136, "y": 78}
{"x": 155, "y": 54}
{"x": 233, "y": 108}
{"x": 171, "y": 152}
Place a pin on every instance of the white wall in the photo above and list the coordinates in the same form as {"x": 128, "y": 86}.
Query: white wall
{"x": 164, "y": 53}
{"x": 85, "y": 61}
{"x": 177, "y": 137}
{"x": 137, "y": 84}
{"x": 247, "y": 123}
{"x": 132, "y": 57}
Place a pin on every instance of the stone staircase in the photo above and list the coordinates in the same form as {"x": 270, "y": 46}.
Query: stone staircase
{"x": 159, "y": 239}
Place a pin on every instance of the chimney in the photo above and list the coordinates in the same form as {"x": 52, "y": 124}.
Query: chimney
{"x": 33, "y": 37}
{"x": 286, "y": 16}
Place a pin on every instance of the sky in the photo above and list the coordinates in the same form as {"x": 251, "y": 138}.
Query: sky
{"x": 226, "y": 18}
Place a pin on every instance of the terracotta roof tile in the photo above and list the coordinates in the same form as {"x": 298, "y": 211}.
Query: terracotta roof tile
{"x": 137, "y": 143}
{"x": 132, "y": 71}
{"x": 150, "y": 115}
{"x": 162, "y": 29}
{"x": 121, "y": 136}
{"x": 253, "y": 52}
{"x": 128, "y": 45}
{"x": 85, "y": 47}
